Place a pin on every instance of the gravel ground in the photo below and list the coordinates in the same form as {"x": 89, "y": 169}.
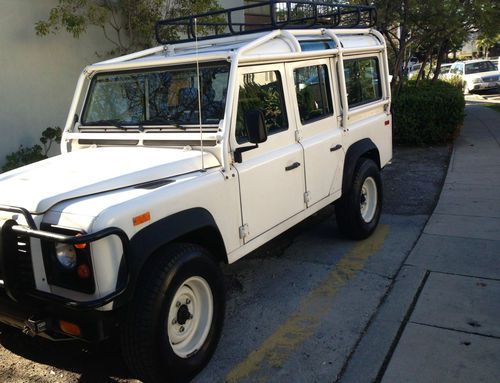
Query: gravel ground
{"x": 412, "y": 184}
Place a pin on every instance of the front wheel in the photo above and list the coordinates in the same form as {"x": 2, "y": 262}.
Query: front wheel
{"x": 358, "y": 211}
{"x": 175, "y": 320}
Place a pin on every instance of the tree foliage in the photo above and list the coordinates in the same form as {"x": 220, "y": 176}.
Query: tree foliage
{"x": 27, "y": 155}
{"x": 128, "y": 25}
{"x": 433, "y": 28}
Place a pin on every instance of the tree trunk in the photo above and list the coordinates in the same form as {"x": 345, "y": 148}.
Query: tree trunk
{"x": 442, "y": 53}
{"x": 422, "y": 68}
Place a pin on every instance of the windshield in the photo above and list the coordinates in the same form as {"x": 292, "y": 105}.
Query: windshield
{"x": 158, "y": 97}
{"x": 478, "y": 67}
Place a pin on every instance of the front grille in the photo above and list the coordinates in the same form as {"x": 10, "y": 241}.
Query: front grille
{"x": 16, "y": 267}
{"x": 491, "y": 78}
{"x": 23, "y": 262}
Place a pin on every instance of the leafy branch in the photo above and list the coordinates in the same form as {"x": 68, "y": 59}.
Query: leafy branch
{"x": 27, "y": 155}
{"x": 128, "y": 25}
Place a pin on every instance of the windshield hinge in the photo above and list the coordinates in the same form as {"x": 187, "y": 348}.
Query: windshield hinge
{"x": 244, "y": 232}
{"x": 307, "y": 197}
{"x": 87, "y": 73}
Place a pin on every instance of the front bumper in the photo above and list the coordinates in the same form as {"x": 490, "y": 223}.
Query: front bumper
{"x": 43, "y": 319}
{"x": 21, "y": 303}
{"x": 486, "y": 85}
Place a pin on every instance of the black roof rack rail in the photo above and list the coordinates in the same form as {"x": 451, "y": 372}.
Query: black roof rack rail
{"x": 262, "y": 16}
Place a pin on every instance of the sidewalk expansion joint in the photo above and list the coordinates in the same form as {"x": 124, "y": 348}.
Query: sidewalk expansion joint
{"x": 465, "y": 275}
{"x": 405, "y": 321}
{"x": 489, "y": 130}
{"x": 459, "y": 236}
{"x": 456, "y": 330}
{"x": 469, "y": 215}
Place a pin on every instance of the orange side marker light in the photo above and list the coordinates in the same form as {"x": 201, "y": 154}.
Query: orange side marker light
{"x": 140, "y": 219}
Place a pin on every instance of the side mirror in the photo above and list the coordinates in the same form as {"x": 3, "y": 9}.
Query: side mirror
{"x": 255, "y": 123}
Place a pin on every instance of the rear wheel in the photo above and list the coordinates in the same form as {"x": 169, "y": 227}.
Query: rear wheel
{"x": 358, "y": 211}
{"x": 175, "y": 320}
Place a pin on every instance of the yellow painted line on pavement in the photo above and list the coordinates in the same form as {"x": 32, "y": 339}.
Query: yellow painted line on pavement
{"x": 303, "y": 323}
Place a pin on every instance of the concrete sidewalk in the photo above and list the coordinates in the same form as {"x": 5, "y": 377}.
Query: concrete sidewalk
{"x": 441, "y": 320}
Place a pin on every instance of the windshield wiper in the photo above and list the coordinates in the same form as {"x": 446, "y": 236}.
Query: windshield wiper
{"x": 161, "y": 121}
{"x": 114, "y": 122}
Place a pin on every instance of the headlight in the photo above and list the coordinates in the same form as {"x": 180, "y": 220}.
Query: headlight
{"x": 66, "y": 255}
{"x": 477, "y": 80}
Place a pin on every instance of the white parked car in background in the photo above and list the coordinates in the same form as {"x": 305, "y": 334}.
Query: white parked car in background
{"x": 476, "y": 75}
{"x": 445, "y": 70}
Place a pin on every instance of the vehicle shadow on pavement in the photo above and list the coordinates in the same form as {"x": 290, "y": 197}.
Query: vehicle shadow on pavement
{"x": 94, "y": 363}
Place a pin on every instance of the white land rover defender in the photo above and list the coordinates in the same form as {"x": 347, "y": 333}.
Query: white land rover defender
{"x": 186, "y": 155}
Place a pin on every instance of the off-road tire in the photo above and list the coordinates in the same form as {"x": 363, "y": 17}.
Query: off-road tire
{"x": 348, "y": 209}
{"x": 145, "y": 340}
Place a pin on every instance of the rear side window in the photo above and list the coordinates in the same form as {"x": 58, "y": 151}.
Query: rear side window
{"x": 262, "y": 91}
{"x": 362, "y": 77}
{"x": 313, "y": 92}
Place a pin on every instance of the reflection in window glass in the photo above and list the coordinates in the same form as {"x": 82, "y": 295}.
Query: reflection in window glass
{"x": 316, "y": 45}
{"x": 262, "y": 91}
{"x": 167, "y": 96}
{"x": 362, "y": 78}
{"x": 313, "y": 92}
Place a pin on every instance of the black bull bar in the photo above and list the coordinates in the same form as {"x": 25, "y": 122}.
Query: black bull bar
{"x": 10, "y": 229}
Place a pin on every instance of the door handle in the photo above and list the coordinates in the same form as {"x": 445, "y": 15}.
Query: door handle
{"x": 292, "y": 166}
{"x": 336, "y": 147}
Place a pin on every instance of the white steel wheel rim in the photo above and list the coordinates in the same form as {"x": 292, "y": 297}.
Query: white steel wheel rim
{"x": 368, "y": 199}
{"x": 190, "y": 316}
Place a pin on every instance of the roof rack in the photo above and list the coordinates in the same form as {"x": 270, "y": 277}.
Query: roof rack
{"x": 265, "y": 16}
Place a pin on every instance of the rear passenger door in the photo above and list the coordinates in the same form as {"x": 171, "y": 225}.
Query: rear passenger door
{"x": 318, "y": 131}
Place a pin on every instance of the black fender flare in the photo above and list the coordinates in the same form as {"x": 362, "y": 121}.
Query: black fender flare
{"x": 150, "y": 239}
{"x": 362, "y": 148}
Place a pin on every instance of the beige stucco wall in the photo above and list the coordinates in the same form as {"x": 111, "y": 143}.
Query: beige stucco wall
{"x": 38, "y": 75}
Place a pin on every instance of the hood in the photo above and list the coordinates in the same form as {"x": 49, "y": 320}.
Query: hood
{"x": 39, "y": 186}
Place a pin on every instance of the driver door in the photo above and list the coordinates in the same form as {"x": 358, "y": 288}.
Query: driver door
{"x": 272, "y": 183}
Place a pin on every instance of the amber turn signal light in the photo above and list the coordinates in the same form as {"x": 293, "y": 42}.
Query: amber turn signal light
{"x": 69, "y": 328}
{"x": 80, "y": 246}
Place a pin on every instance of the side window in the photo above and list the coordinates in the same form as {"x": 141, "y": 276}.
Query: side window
{"x": 313, "y": 92}
{"x": 262, "y": 91}
{"x": 362, "y": 77}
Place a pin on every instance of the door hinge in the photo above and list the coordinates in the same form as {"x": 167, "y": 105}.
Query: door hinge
{"x": 340, "y": 120}
{"x": 307, "y": 197}
{"x": 298, "y": 136}
{"x": 244, "y": 232}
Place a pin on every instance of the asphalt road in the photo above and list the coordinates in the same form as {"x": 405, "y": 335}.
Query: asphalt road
{"x": 296, "y": 308}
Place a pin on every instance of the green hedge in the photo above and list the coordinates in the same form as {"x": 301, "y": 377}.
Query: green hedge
{"x": 428, "y": 114}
